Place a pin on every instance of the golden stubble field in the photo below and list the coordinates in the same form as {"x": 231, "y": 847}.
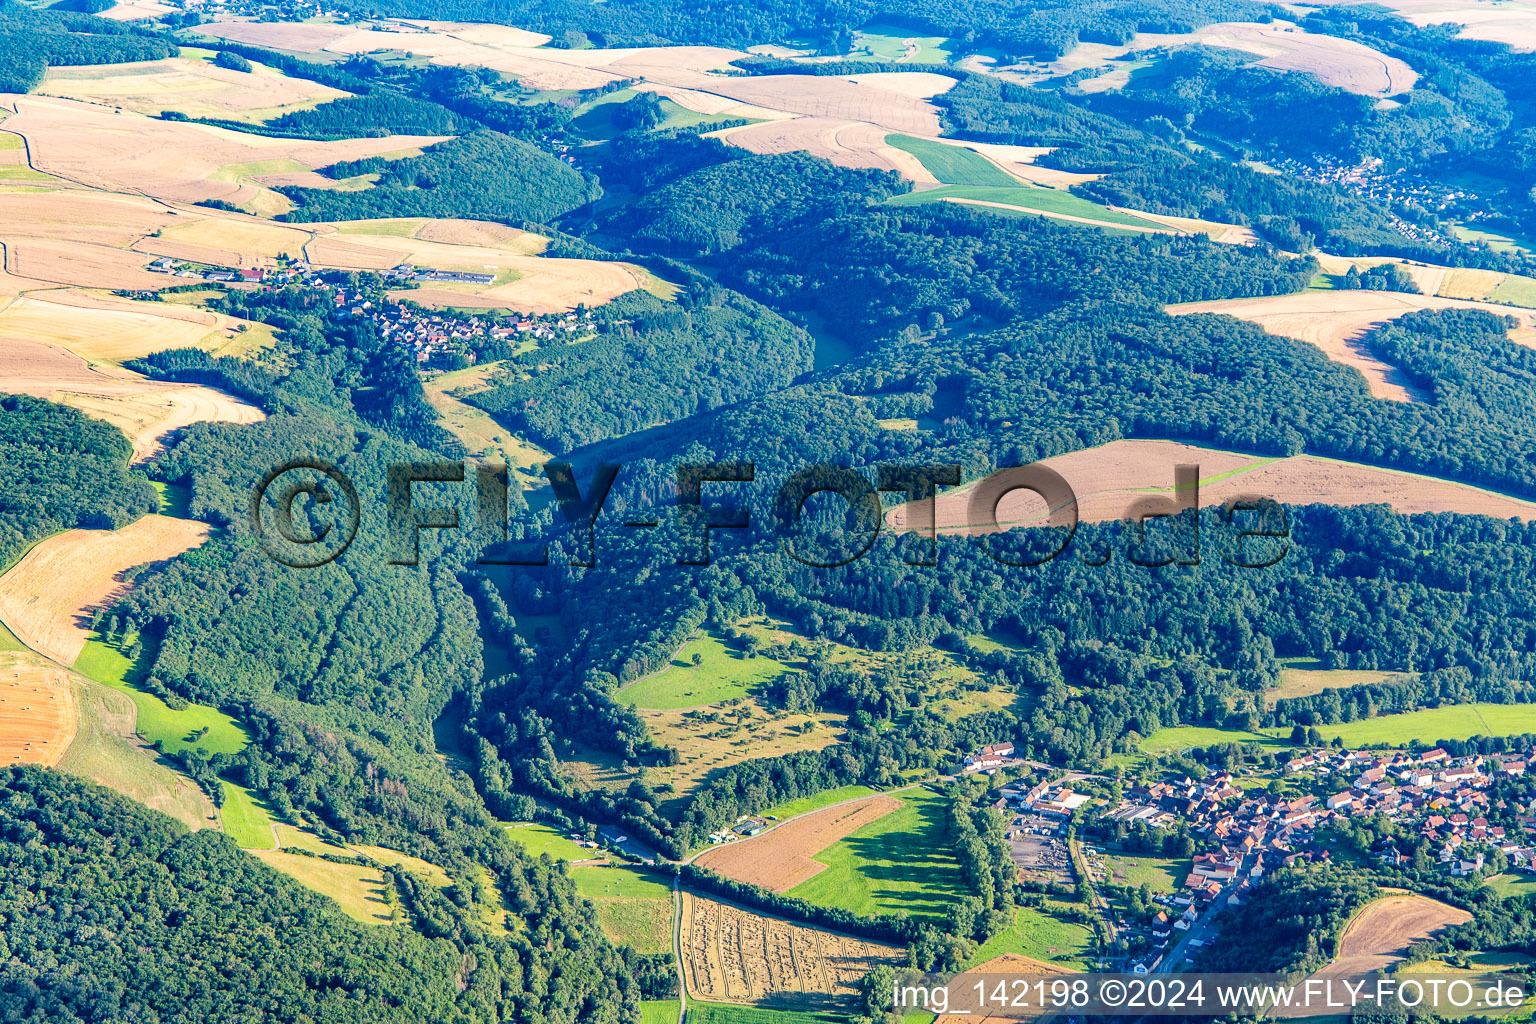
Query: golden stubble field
{"x": 38, "y": 717}
{"x": 46, "y": 598}
{"x": 119, "y": 151}
{"x": 1109, "y": 478}
{"x": 732, "y": 955}
{"x": 197, "y": 88}
{"x": 782, "y": 858}
{"x": 1334, "y": 322}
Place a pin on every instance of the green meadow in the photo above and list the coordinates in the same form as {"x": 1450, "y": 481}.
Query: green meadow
{"x": 900, "y": 864}
{"x": 954, "y": 165}
{"x": 245, "y": 820}
{"x": 193, "y": 727}
{"x": 537, "y": 839}
{"x": 1163, "y": 874}
{"x": 722, "y": 674}
{"x": 1452, "y": 722}
{"x": 1040, "y": 935}
{"x": 726, "y": 1013}
{"x": 1049, "y": 201}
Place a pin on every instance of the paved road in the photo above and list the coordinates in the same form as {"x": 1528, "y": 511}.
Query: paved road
{"x": 1202, "y": 926}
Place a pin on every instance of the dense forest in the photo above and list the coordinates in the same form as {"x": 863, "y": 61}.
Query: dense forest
{"x": 32, "y": 41}
{"x": 59, "y": 470}
{"x": 651, "y": 362}
{"x": 484, "y": 175}
{"x": 131, "y": 917}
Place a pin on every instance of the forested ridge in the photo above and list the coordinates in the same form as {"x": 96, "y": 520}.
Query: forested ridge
{"x": 59, "y": 470}
{"x": 988, "y": 341}
{"x": 33, "y": 40}
{"x": 116, "y": 912}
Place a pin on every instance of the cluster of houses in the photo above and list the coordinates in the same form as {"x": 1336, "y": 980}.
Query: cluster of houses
{"x": 425, "y": 333}
{"x": 989, "y": 759}
{"x": 1446, "y": 798}
{"x": 1368, "y": 178}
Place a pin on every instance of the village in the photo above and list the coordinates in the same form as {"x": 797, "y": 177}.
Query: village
{"x": 1060, "y": 832}
{"x": 437, "y": 339}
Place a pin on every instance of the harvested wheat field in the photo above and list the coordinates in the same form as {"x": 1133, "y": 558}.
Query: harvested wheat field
{"x": 174, "y": 160}
{"x": 837, "y": 99}
{"x": 38, "y": 717}
{"x": 82, "y": 264}
{"x": 733, "y": 955}
{"x": 963, "y": 986}
{"x": 1280, "y": 45}
{"x": 355, "y": 244}
{"x": 109, "y": 329}
{"x": 197, "y": 88}
{"x": 136, "y": 10}
{"x": 543, "y": 286}
{"x": 247, "y": 236}
{"x": 845, "y": 143}
{"x": 1513, "y": 24}
{"x": 149, "y": 417}
{"x": 295, "y": 36}
{"x": 1334, "y": 322}
{"x": 47, "y": 597}
{"x": 781, "y": 858}
{"x": 1109, "y": 478}
{"x": 76, "y": 215}
{"x": 1378, "y": 934}
{"x": 455, "y": 231}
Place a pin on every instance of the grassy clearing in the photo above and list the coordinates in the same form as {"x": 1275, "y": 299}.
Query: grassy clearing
{"x": 537, "y": 839}
{"x": 1040, "y": 935}
{"x": 902, "y": 863}
{"x": 193, "y": 727}
{"x": 1512, "y": 885}
{"x": 175, "y": 498}
{"x": 1519, "y": 291}
{"x": 1163, "y": 874}
{"x": 643, "y": 925}
{"x": 1186, "y": 737}
{"x": 1047, "y": 201}
{"x": 633, "y": 908}
{"x": 889, "y": 43}
{"x": 660, "y": 1011}
{"x": 807, "y": 804}
{"x": 104, "y": 752}
{"x": 1453, "y": 722}
{"x": 359, "y": 891}
{"x": 619, "y": 883}
{"x": 954, "y": 165}
{"x": 8, "y": 641}
{"x": 245, "y": 820}
{"x": 1302, "y": 677}
{"x": 722, "y": 674}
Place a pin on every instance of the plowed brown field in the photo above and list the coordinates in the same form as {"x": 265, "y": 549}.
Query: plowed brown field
{"x": 782, "y": 858}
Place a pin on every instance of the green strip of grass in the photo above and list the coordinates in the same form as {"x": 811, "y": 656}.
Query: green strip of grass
{"x": 900, "y": 864}
{"x": 1049, "y": 201}
{"x": 537, "y": 839}
{"x": 1453, "y": 722}
{"x": 724, "y": 1013}
{"x": 954, "y": 165}
{"x": 807, "y": 804}
{"x": 659, "y": 1011}
{"x": 245, "y": 820}
{"x": 174, "y": 729}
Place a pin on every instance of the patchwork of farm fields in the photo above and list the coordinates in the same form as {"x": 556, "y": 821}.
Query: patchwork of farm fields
{"x": 734, "y": 955}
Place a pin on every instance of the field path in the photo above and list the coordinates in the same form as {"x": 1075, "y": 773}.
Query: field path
{"x": 677, "y": 949}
